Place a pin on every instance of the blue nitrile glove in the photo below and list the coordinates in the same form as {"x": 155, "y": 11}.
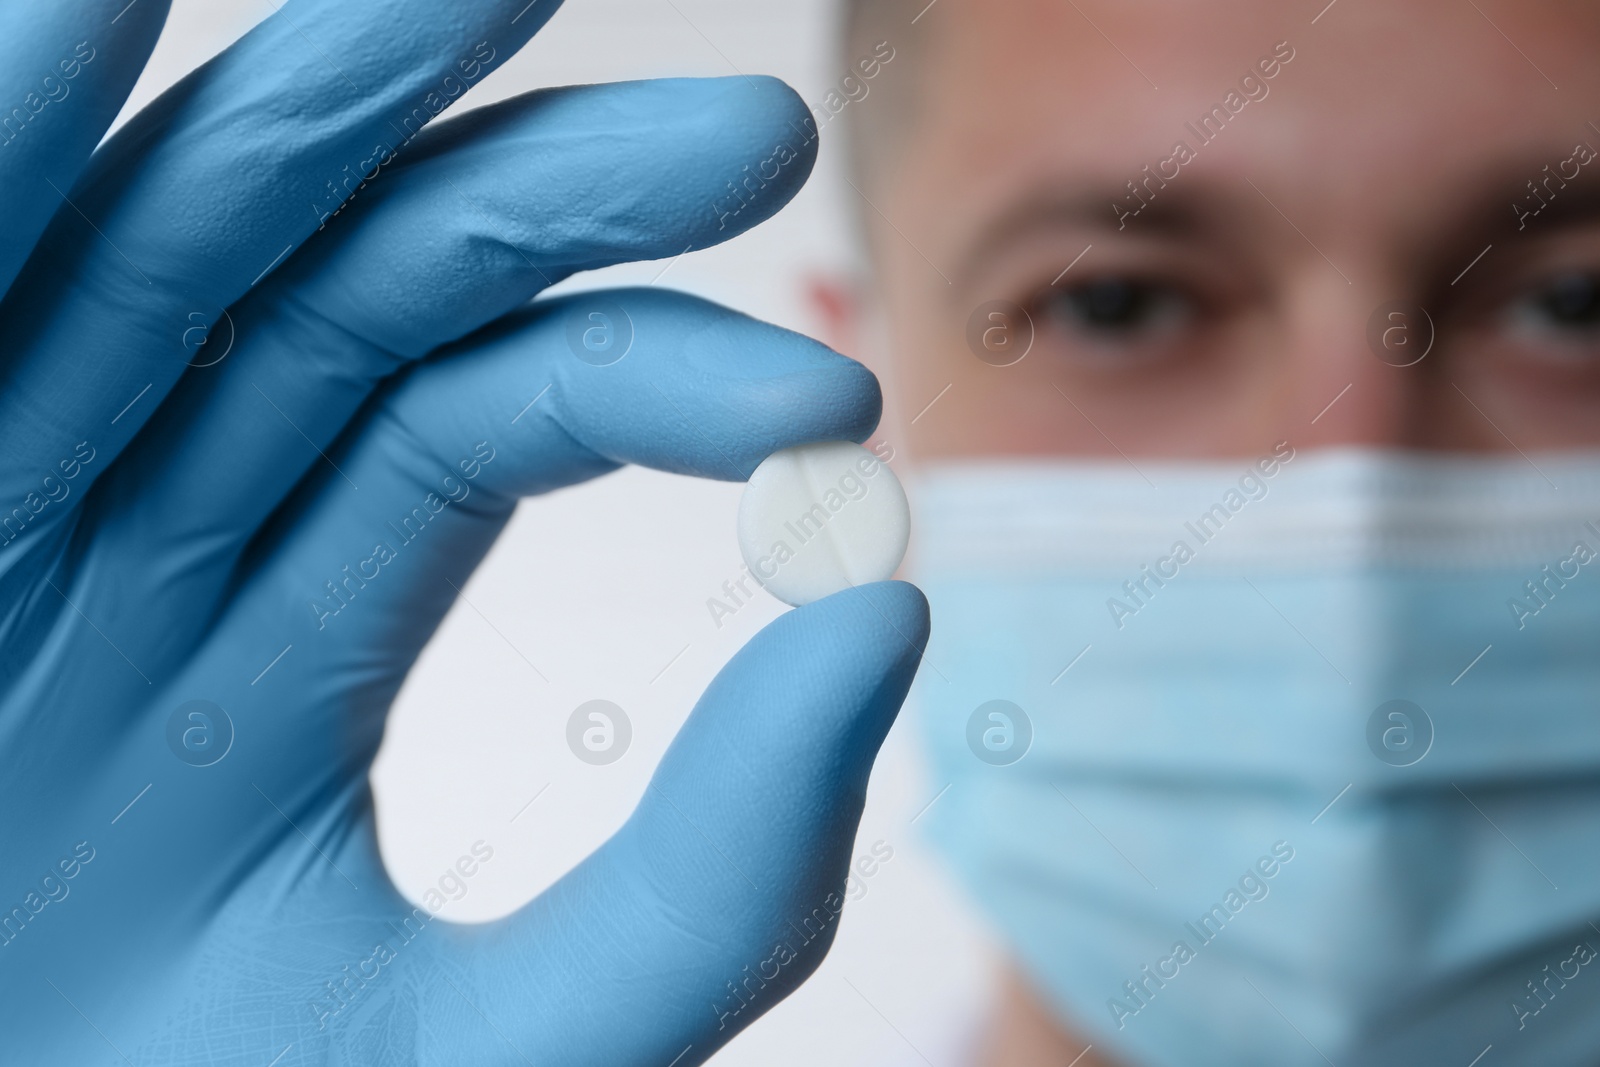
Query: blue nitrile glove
{"x": 205, "y": 620}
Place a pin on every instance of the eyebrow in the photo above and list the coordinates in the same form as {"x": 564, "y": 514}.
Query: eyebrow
{"x": 1478, "y": 213}
{"x": 1578, "y": 200}
{"x": 1203, "y": 208}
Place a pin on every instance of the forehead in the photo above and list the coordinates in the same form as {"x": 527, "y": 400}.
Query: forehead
{"x": 1383, "y": 107}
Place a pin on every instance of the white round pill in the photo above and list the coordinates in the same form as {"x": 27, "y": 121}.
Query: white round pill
{"x": 819, "y": 518}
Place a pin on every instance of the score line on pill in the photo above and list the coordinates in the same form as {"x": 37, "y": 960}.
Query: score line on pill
{"x": 818, "y": 518}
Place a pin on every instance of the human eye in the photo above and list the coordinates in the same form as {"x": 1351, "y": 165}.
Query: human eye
{"x": 1117, "y": 307}
{"x": 1561, "y": 310}
{"x": 1526, "y": 345}
{"x": 1117, "y": 321}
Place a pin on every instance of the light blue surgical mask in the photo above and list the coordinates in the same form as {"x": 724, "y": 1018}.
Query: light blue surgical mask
{"x": 1282, "y": 761}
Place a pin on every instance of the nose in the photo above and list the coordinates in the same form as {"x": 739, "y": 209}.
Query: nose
{"x": 1358, "y": 365}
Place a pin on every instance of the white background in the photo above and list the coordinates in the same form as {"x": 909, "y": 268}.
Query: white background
{"x": 602, "y": 589}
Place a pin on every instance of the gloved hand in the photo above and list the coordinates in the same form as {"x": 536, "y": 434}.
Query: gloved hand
{"x": 225, "y": 537}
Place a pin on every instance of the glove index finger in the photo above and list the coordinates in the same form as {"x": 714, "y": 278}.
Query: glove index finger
{"x": 207, "y": 191}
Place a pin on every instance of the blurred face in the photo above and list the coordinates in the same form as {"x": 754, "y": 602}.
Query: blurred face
{"x": 1225, "y": 226}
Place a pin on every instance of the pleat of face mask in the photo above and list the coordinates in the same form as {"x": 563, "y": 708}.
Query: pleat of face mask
{"x": 1369, "y": 673}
